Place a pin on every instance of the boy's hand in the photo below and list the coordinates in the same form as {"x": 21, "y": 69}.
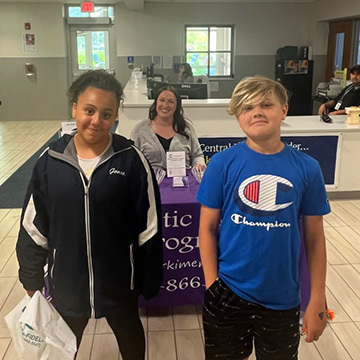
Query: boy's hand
{"x": 314, "y": 322}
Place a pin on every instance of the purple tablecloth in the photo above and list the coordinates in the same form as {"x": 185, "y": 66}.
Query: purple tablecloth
{"x": 183, "y": 276}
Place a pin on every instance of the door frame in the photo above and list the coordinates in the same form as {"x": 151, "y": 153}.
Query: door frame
{"x": 74, "y": 72}
{"x": 335, "y": 27}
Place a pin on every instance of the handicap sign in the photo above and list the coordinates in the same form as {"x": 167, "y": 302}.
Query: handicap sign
{"x": 130, "y": 59}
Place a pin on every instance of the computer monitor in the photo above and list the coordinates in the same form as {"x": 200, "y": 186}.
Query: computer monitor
{"x": 150, "y": 71}
{"x": 153, "y": 86}
{"x": 192, "y": 91}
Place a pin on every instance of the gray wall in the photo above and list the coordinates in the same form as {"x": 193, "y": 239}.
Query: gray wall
{"x": 261, "y": 28}
{"x": 42, "y": 97}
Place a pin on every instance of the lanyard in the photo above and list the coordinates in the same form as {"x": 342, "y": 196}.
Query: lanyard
{"x": 347, "y": 91}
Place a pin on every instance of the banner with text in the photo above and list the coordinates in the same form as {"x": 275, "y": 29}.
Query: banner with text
{"x": 323, "y": 148}
{"x": 183, "y": 282}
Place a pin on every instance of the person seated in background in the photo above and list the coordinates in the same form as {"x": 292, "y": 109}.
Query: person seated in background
{"x": 166, "y": 129}
{"x": 349, "y": 96}
{"x": 185, "y": 73}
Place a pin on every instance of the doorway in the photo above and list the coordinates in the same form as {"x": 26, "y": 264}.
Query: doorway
{"x": 91, "y": 47}
{"x": 340, "y": 42}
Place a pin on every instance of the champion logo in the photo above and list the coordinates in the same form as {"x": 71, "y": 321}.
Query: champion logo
{"x": 242, "y": 220}
{"x": 264, "y": 194}
{"x": 116, "y": 172}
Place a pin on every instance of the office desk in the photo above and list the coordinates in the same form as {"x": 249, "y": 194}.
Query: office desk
{"x": 183, "y": 282}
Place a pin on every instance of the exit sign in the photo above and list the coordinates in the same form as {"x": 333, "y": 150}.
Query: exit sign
{"x": 87, "y": 6}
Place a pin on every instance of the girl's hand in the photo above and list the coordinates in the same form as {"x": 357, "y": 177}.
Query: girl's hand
{"x": 30, "y": 292}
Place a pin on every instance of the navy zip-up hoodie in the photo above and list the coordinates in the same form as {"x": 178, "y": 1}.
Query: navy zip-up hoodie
{"x": 101, "y": 237}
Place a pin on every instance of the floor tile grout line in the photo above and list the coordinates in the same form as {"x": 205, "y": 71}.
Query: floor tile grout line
{"x": 341, "y": 204}
{"x": 7, "y": 297}
{"x": 318, "y": 351}
{"x": 174, "y": 334}
{"x": 346, "y": 281}
{"x": 342, "y": 344}
{"x": 355, "y": 250}
{"x": 339, "y": 302}
{"x": 343, "y": 220}
{"x": 7, "y": 349}
{"x": 349, "y": 262}
{"x": 327, "y": 261}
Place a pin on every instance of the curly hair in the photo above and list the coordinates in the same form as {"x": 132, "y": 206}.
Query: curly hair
{"x": 99, "y": 79}
{"x": 179, "y": 123}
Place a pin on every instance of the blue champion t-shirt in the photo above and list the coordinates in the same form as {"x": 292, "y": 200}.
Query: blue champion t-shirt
{"x": 261, "y": 198}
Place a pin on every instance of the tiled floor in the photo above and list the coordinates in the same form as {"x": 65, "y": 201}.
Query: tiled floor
{"x": 176, "y": 334}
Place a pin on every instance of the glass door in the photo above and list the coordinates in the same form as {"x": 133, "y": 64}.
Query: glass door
{"x": 91, "y": 47}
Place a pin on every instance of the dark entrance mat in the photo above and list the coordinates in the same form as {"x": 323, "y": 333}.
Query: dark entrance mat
{"x": 13, "y": 190}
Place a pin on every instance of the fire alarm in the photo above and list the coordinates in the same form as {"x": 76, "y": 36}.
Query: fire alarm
{"x": 27, "y": 26}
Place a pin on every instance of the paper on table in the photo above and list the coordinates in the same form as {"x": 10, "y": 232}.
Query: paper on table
{"x": 180, "y": 181}
{"x": 175, "y": 163}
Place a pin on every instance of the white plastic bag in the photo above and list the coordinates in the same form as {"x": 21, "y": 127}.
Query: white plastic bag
{"x": 39, "y": 332}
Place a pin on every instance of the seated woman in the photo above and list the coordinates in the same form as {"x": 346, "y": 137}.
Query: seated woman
{"x": 166, "y": 129}
{"x": 185, "y": 74}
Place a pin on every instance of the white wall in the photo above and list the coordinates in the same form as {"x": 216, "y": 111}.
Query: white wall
{"x": 326, "y": 10}
{"x": 321, "y": 12}
{"x": 260, "y": 28}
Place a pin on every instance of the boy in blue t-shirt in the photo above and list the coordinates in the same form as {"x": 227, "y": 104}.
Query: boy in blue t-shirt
{"x": 253, "y": 196}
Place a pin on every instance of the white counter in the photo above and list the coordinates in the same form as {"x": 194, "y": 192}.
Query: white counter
{"x": 210, "y": 119}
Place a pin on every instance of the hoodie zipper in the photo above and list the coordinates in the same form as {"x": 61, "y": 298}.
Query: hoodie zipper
{"x": 88, "y": 245}
{"x": 87, "y": 223}
{"x": 53, "y": 266}
{"x": 132, "y": 266}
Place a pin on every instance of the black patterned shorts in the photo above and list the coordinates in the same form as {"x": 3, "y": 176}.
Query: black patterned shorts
{"x": 232, "y": 325}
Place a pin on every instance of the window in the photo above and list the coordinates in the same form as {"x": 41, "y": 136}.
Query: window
{"x": 339, "y": 51}
{"x": 92, "y": 50}
{"x": 357, "y": 43}
{"x": 99, "y": 12}
{"x": 209, "y": 50}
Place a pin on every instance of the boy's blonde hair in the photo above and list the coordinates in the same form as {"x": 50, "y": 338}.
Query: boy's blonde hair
{"x": 253, "y": 90}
